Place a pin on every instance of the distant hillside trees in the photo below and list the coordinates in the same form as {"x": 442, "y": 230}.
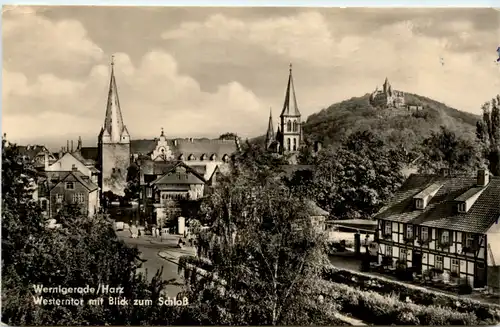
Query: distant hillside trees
{"x": 353, "y": 180}
{"x": 488, "y": 132}
{"x": 447, "y": 149}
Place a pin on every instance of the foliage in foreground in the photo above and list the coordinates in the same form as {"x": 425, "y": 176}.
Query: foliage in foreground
{"x": 263, "y": 247}
{"x": 83, "y": 251}
{"x": 378, "y": 309}
{"x": 385, "y": 287}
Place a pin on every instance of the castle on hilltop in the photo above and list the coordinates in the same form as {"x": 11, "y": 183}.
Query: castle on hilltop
{"x": 387, "y": 97}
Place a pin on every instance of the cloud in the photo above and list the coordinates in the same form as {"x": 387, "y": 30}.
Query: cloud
{"x": 34, "y": 43}
{"x": 152, "y": 94}
{"x": 450, "y": 61}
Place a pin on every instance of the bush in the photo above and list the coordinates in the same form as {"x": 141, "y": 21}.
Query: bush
{"x": 420, "y": 296}
{"x": 374, "y": 308}
{"x": 464, "y": 289}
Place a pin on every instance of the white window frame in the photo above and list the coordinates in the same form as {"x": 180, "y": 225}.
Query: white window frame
{"x": 403, "y": 254}
{"x": 461, "y": 207}
{"x": 388, "y": 251}
{"x": 409, "y": 231}
{"x": 419, "y": 203}
{"x": 387, "y": 228}
{"x": 469, "y": 240}
{"x": 426, "y": 229}
{"x": 445, "y": 237}
{"x": 439, "y": 262}
{"x": 59, "y": 198}
{"x": 454, "y": 266}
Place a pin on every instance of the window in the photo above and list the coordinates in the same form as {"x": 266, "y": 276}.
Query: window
{"x": 59, "y": 198}
{"x": 461, "y": 207}
{"x": 454, "y": 266}
{"x": 70, "y": 185}
{"x": 409, "y": 231}
{"x": 44, "y": 205}
{"x": 388, "y": 250}
{"x": 419, "y": 203}
{"x": 78, "y": 198}
{"x": 294, "y": 126}
{"x": 289, "y": 126}
{"x": 424, "y": 234}
{"x": 438, "y": 262}
{"x": 288, "y": 144}
{"x": 402, "y": 254}
{"x": 294, "y": 144}
{"x": 469, "y": 240}
{"x": 445, "y": 237}
{"x": 387, "y": 228}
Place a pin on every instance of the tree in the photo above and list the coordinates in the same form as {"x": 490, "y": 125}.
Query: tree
{"x": 446, "y": 149}
{"x": 228, "y": 136}
{"x": 353, "y": 180}
{"x": 133, "y": 188}
{"x": 82, "y": 251}
{"x": 488, "y": 133}
{"x": 264, "y": 254}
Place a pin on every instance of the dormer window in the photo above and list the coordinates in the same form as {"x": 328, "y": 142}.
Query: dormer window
{"x": 203, "y": 157}
{"x": 419, "y": 204}
{"x": 213, "y": 157}
{"x": 181, "y": 157}
{"x": 462, "y": 207}
{"x": 191, "y": 157}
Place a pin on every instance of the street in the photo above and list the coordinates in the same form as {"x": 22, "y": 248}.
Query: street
{"x": 150, "y": 248}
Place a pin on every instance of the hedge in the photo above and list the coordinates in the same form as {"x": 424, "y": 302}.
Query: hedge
{"x": 377, "y": 309}
{"x": 418, "y": 295}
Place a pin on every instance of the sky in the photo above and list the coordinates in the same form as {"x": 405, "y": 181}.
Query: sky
{"x": 202, "y": 72}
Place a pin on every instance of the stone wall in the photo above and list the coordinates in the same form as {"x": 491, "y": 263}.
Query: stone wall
{"x": 115, "y": 163}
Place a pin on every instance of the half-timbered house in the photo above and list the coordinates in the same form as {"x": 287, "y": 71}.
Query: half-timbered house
{"x": 443, "y": 223}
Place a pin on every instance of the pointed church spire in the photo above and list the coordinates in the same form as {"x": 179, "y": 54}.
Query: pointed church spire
{"x": 113, "y": 123}
{"x": 270, "y": 129}
{"x": 290, "y": 107}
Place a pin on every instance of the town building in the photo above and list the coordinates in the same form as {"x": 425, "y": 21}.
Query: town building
{"x": 445, "y": 224}
{"x": 288, "y": 138}
{"x": 387, "y": 97}
{"x": 36, "y": 155}
{"x": 59, "y": 188}
{"x": 116, "y": 149}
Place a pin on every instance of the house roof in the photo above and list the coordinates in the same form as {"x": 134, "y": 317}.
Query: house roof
{"x": 314, "y": 210}
{"x": 31, "y": 151}
{"x": 60, "y": 176}
{"x": 187, "y": 177}
{"x": 196, "y": 147}
{"x": 90, "y": 153}
{"x": 441, "y": 210}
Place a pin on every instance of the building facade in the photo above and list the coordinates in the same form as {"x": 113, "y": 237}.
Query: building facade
{"x": 288, "y": 138}
{"x": 387, "y": 97}
{"x": 448, "y": 225}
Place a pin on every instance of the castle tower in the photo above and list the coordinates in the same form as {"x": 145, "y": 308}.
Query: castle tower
{"x": 290, "y": 120}
{"x": 114, "y": 144}
{"x": 270, "y": 131}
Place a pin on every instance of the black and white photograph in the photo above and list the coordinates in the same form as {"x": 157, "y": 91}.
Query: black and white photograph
{"x": 250, "y": 166}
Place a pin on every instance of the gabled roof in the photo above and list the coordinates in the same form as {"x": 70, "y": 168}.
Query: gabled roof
{"x": 196, "y": 147}
{"x": 61, "y": 176}
{"x": 441, "y": 212}
{"x": 90, "y": 153}
{"x": 31, "y": 151}
{"x": 189, "y": 176}
{"x": 314, "y": 210}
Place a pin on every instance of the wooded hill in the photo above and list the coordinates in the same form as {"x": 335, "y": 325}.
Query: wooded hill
{"x": 396, "y": 126}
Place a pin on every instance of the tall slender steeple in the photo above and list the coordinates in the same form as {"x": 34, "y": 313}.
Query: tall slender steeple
{"x": 290, "y": 107}
{"x": 270, "y": 129}
{"x": 114, "y": 130}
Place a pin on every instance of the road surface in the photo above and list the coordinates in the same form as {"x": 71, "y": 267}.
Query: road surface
{"x": 149, "y": 252}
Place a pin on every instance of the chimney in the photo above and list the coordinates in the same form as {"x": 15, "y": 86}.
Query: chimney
{"x": 71, "y": 146}
{"x": 46, "y": 161}
{"x": 61, "y": 152}
{"x": 175, "y": 142}
{"x": 67, "y": 145}
{"x": 73, "y": 168}
{"x": 483, "y": 177}
{"x": 79, "y": 147}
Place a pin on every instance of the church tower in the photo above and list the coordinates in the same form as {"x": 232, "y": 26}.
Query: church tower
{"x": 113, "y": 144}
{"x": 270, "y": 131}
{"x": 291, "y": 133}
